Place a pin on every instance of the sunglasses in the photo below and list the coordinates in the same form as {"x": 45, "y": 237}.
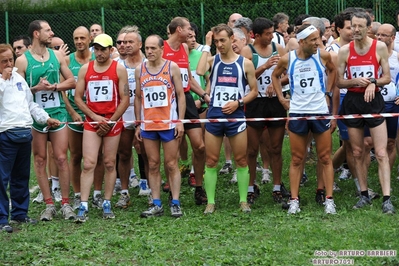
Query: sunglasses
{"x": 18, "y": 48}
{"x": 119, "y": 42}
{"x": 56, "y": 47}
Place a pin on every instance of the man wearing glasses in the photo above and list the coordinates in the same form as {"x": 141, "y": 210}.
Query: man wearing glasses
{"x": 20, "y": 44}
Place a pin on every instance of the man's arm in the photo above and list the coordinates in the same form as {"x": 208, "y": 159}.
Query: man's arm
{"x": 137, "y": 98}
{"x": 251, "y": 80}
{"x": 206, "y": 59}
{"x": 281, "y": 67}
{"x": 79, "y": 91}
{"x": 382, "y": 51}
{"x": 179, "y": 130}
{"x": 69, "y": 80}
{"x": 124, "y": 94}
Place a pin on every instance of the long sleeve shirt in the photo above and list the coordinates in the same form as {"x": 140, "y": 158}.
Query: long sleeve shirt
{"x": 16, "y": 104}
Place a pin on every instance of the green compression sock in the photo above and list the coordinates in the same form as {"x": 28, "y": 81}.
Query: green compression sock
{"x": 210, "y": 179}
{"x": 243, "y": 182}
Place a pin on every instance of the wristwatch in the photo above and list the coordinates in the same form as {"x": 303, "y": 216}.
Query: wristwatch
{"x": 329, "y": 94}
{"x": 373, "y": 80}
{"x": 240, "y": 103}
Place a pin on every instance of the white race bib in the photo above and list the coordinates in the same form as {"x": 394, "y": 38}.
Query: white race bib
{"x": 196, "y": 77}
{"x": 389, "y": 92}
{"x": 362, "y": 71}
{"x": 223, "y": 95}
{"x": 47, "y": 99}
{"x": 184, "y": 77}
{"x": 307, "y": 82}
{"x": 155, "y": 96}
{"x": 264, "y": 80}
{"x": 101, "y": 90}
{"x": 132, "y": 84}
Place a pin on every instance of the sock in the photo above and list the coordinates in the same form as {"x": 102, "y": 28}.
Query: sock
{"x": 55, "y": 182}
{"x": 385, "y": 198}
{"x": 276, "y": 187}
{"x": 77, "y": 194}
{"x": 64, "y": 201}
{"x": 141, "y": 167}
{"x": 106, "y": 201}
{"x": 251, "y": 189}
{"x": 228, "y": 161}
{"x": 49, "y": 201}
{"x": 157, "y": 202}
{"x": 125, "y": 191}
{"x": 118, "y": 180}
{"x": 365, "y": 193}
{"x": 357, "y": 183}
{"x": 176, "y": 202}
{"x": 96, "y": 192}
{"x": 85, "y": 204}
{"x": 329, "y": 197}
{"x": 192, "y": 169}
{"x": 210, "y": 179}
{"x": 243, "y": 182}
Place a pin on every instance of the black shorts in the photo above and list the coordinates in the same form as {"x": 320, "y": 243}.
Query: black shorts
{"x": 354, "y": 103}
{"x": 191, "y": 112}
{"x": 264, "y": 107}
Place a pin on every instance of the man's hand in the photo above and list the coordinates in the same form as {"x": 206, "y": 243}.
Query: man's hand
{"x": 7, "y": 72}
{"x": 230, "y": 107}
{"x": 369, "y": 93}
{"x": 51, "y": 122}
{"x": 179, "y": 130}
{"x": 64, "y": 50}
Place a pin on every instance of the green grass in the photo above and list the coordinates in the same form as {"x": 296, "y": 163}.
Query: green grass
{"x": 267, "y": 236}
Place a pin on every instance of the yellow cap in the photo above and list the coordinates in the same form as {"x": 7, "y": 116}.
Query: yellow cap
{"x": 104, "y": 40}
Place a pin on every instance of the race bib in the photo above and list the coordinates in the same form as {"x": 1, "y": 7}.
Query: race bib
{"x": 184, "y": 77}
{"x": 307, "y": 82}
{"x": 196, "y": 77}
{"x": 362, "y": 71}
{"x": 132, "y": 85}
{"x": 264, "y": 81}
{"x": 101, "y": 90}
{"x": 155, "y": 96}
{"x": 388, "y": 92}
{"x": 223, "y": 95}
{"x": 47, "y": 99}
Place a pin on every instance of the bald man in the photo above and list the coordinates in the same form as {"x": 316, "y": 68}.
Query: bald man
{"x": 232, "y": 19}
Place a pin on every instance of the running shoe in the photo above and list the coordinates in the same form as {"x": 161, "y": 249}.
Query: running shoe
{"x": 76, "y": 202}
{"x": 266, "y": 176}
{"x": 67, "y": 212}
{"x": 39, "y": 197}
{"x": 144, "y": 189}
{"x": 277, "y": 196}
{"x": 175, "y": 211}
{"x": 363, "y": 201}
{"x": 107, "y": 212}
{"x": 57, "y": 194}
{"x": 200, "y": 196}
{"x": 329, "y": 206}
{"x": 387, "y": 207}
{"x": 259, "y": 168}
{"x": 294, "y": 206}
{"x": 304, "y": 179}
{"x": 226, "y": 169}
{"x": 320, "y": 197}
{"x": 191, "y": 180}
{"x": 124, "y": 201}
{"x": 244, "y": 207}
{"x": 81, "y": 217}
{"x": 97, "y": 201}
{"x": 184, "y": 170}
{"x": 234, "y": 178}
{"x": 153, "y": 210}
{"x": 6, "y": 228}
{"x": 48, "y": 213}
{"x": 210, "y": 208}
{"x": 345, "y": 174}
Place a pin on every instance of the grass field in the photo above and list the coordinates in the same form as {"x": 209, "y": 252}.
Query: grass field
{"x": 266, "y": 236}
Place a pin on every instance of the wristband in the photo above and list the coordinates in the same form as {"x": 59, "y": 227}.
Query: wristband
{"x": 203, "y": 95}
{"x": 202, "y": 100}
{"x": 206, "y": 48}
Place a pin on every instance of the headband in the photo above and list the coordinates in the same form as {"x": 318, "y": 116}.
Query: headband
{"x": 305, "y": 33}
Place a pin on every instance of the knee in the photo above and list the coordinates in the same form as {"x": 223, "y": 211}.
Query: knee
{"x": 211, "y": 161}
{"x": 357, "y": 152}
{"x": 153, "y": 166}
{"x": 325, "y": 158}
{"x": 199, "y": 149}
{"x": 240, "y": 161}
{"x": 297, "y": 160}
{"x": 40, "y": 161}
{"x": 252, "y": 152}
{"x": 109, "y": 164}
{"x": 381, "y": 153}
{"x": 171, "y": 166}
{"x": 88, "y": 165}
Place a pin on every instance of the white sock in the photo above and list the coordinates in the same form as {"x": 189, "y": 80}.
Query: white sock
{"x": 124, "y": 191}
{"x": 96, "y": 192}
{"x": 251, "y": 189}
{"x": 192, "y": 169}
{"x": 118, "y": 180}
{"x": 55, "y": 182}
{"x": 77, "y": 195}
{"x": 228, "y": 161}
{"x": 84, "y": 203}
{"x": 276, "y": 187}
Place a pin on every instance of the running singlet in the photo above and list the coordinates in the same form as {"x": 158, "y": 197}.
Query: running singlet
{"x": 102, "y": 94}
{"x": 180, "y": 57}
{"x": 365, "y": 66}
{"x": 307, "y": 84}
{"x": 158, "y": 98}
{"x": 388, "y": 92}
{"x": 75, "y": 66}
{"x": 228, "y": 81}
{"x": 51, "y": 101}
{"x": 265, "y": 79}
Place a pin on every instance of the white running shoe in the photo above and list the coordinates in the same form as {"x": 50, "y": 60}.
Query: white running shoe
{"x": 57, "y": 194}
{"x": 234, "y": 178}
{"x": 345, "y": 174}
{"x": 266, "y": 176}
{"x": 39, "y": 197}
{"x": 144, "y": 189}
{"x": 329, "y": 206}
{"x": 133, "y": 181}
{"x": 294, "y": 207}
